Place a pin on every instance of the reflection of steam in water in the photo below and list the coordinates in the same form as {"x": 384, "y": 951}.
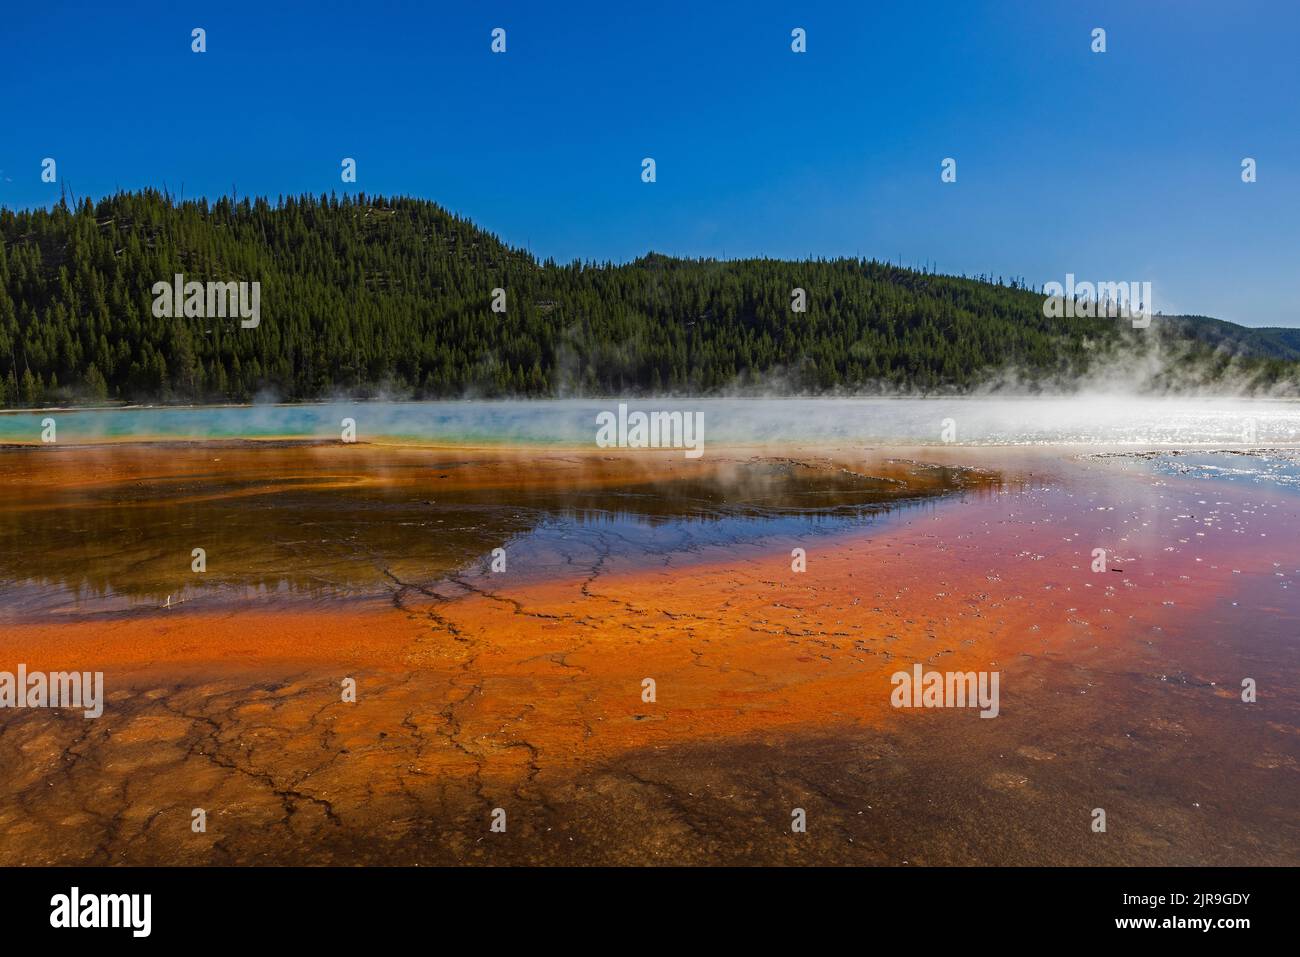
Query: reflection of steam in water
{"x": 1275, "y": 468}
{"x": 761, "y": 489}
{"x": 110, "y": 529}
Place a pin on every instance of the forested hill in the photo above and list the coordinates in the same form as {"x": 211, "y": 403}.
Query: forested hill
{"x": 366, "y": 294}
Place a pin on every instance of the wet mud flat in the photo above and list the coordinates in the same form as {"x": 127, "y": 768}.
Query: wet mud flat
{"x": 522, "y": 690}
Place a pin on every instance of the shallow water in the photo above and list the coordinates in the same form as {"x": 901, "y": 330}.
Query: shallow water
{"x": 523, "y": 689}
{"x": 102, "y": 529}
{"x": 1278, "y": 468}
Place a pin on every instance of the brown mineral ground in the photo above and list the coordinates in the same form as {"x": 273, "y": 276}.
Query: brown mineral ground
{"x": 522, "y": 689}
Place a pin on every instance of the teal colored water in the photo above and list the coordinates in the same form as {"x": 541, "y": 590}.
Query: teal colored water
{"x": 1084, "y": 419}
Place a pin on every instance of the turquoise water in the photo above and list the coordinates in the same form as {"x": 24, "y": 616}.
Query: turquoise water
{"x": 1101, "y": 420}
{"x": 450, "y": 423}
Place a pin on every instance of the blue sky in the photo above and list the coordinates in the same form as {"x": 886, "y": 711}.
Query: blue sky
{"x": 1117, "y": 166}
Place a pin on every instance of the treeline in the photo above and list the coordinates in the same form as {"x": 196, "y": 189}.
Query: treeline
{"x": 361, "y": 295}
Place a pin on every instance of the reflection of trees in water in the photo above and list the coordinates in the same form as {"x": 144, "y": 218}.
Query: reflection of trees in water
{"x": 317, "y": 544}
{"x": 135, "y": 540}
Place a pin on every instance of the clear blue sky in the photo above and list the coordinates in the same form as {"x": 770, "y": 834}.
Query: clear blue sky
{"x": 1117, "y": 166}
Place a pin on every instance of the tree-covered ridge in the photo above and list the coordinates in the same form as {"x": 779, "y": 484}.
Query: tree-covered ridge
{"x": 361, "y": 294}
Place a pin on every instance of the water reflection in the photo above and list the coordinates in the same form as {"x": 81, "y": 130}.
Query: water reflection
{"x": 1278, "y": 468}
{"x": 106, "y": 529}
